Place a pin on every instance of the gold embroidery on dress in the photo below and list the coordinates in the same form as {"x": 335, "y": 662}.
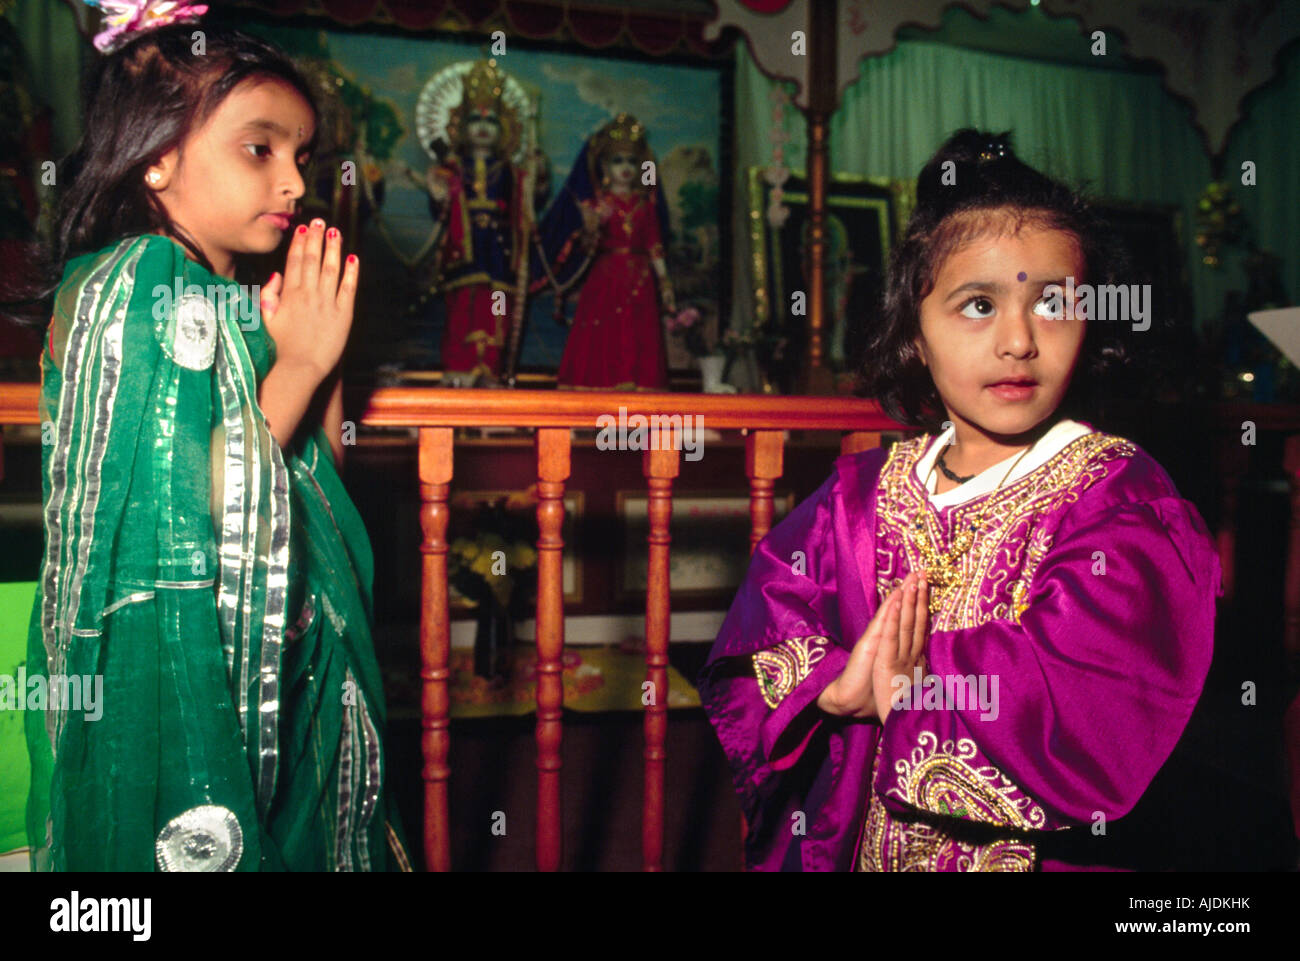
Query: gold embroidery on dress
{"x": 941, "y": 778}
{"x": 781, "y": 668}
{"x": 992, "y": 578}
{"x": 944, "y": 783}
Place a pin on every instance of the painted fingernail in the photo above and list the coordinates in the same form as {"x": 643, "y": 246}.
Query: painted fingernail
{"x": 302, "y": 228}
{"x": 318, "y": 222}
{"x": 352, "y": 258}
{"x": 331, "y": 233}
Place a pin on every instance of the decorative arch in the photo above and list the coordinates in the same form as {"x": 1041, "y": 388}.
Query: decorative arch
{"x": 1213, "y": 52}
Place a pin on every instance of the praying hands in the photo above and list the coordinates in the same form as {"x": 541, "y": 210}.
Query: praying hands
{"x": 890, "y": 648}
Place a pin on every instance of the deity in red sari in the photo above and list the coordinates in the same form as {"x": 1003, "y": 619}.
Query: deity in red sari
{"x": 607, "y": 230}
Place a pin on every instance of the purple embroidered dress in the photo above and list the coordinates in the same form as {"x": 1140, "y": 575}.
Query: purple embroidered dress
{"x": 1071, "y": 638}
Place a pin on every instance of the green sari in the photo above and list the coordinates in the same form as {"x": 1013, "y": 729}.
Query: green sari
{"x": 219, "y": 585}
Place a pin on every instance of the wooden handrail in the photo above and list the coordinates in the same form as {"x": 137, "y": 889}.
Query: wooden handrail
{"x": 449, "y": 407}
{"x": 19, "y": 403}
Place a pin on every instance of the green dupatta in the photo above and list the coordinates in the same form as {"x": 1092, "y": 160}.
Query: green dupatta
{"x": 219, "y": 586}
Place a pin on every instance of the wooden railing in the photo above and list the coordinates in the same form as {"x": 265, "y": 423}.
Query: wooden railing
{"x": 552, "y": 414}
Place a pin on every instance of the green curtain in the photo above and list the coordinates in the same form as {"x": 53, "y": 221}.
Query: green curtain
{"x": 1122, "y": 133}
{"x": 1268, "y": 135}
{"x": 55, "y": 55}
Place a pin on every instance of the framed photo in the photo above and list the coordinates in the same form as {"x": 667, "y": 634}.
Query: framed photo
{"x": 520, "y": 508}
{"x": 1152, "y": 234}
{"x": 710, "y": 541}
{"x": 863, "y": 216}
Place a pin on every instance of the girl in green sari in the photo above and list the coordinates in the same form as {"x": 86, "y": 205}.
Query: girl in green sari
{"x": 202, "y": 555}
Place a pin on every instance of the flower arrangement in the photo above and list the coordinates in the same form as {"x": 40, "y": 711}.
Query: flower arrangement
{"x": 495, "y": 568}
{"x": 488, "y": 563}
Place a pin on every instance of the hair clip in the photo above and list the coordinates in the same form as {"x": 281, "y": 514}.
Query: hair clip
{"x": 994, "y": 149}
{"x": 127, "y": 17}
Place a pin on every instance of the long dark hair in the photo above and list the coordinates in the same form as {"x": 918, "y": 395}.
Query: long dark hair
{"x": 141, "y": 101}
{"x": 986, "y": 177}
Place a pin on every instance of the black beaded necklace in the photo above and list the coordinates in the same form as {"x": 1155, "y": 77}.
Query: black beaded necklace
{"x": 955, "y": 478}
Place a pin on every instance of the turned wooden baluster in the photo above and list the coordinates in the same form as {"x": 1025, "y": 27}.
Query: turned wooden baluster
{"x": 435, "y": 641}
{"x": 859, "y": 440}
{"x": 764, "y": 463}
{"x": 552, "y": 445}
{"x": 660, "y": 467}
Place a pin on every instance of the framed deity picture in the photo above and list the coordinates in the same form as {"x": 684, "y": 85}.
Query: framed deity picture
{"x": 863, "y": 217}
{"x": 710, "y": 542}
{"x": 433, "y": 226}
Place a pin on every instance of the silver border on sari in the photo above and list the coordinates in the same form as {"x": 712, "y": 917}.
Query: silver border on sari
{"x": 243, "y": 538}
{"x": 61, "y": 577}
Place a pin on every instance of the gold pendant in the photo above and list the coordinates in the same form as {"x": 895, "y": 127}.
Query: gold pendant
{"x": 942, "y": 569}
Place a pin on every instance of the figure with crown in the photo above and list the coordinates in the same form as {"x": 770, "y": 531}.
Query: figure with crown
{"x": 606, "y": 230}
{"x": 476, "y": 121}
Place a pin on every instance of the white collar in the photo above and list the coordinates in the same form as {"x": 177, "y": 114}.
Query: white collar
{"x": 987, "y": 481}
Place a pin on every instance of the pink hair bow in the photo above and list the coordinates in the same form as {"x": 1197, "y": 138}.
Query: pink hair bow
{"x": 125, "y": 17}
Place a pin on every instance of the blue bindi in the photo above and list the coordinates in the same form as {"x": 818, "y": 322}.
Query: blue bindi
{"x": 1021, "y": 276}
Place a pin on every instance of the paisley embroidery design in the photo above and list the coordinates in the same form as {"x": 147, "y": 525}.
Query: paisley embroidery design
{"x": 781, "y": 668}
{"x": 944, "y": 782}
{"x": 942, "y": 779}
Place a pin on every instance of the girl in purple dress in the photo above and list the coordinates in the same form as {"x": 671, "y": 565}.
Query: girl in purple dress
{"x": 973, "y": 650}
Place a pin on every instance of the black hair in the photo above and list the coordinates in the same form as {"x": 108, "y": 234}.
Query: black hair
{"x": 955, "y": 204}
{"x": 141, "y": 101}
